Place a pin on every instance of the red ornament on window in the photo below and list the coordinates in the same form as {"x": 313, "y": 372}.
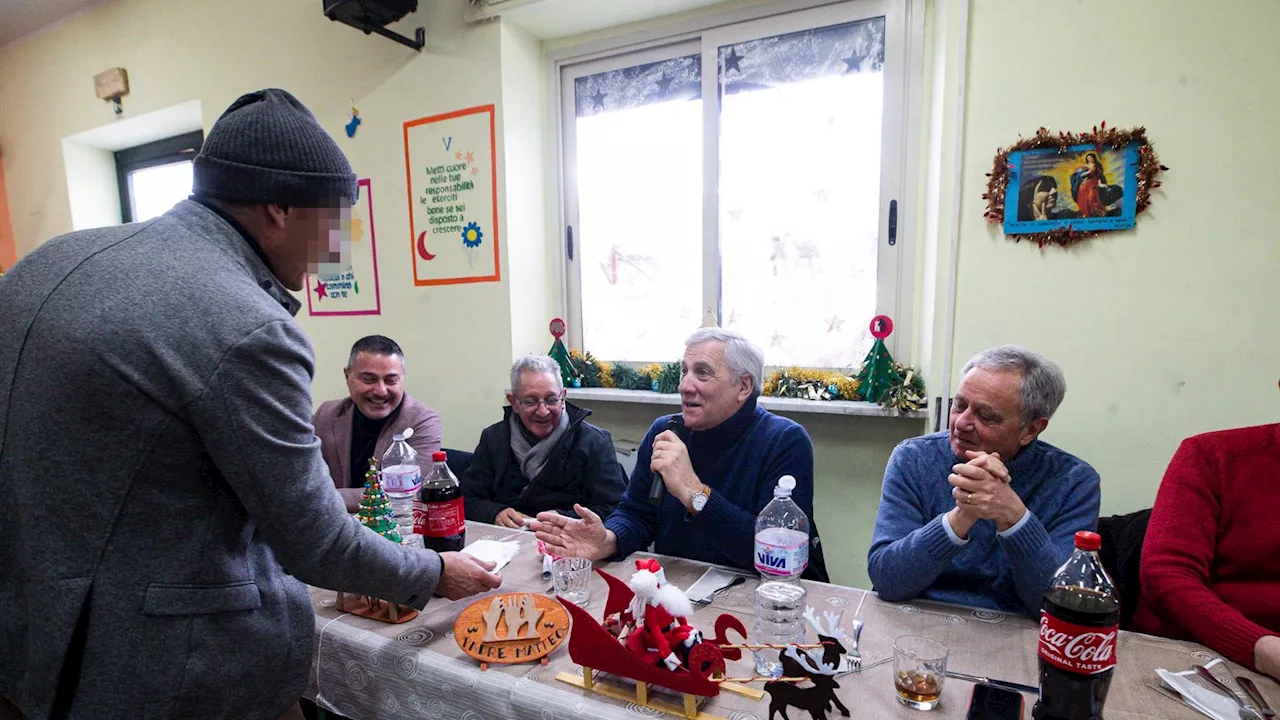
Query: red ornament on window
{"x": 881, "y": 326}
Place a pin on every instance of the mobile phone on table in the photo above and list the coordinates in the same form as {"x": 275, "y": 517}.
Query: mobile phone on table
{"x": 993, "y": 703}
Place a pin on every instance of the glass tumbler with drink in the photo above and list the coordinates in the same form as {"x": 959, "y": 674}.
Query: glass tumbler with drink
{"x": 919, "y": 667}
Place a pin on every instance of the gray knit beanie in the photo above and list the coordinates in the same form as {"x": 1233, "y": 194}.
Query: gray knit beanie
{"x": 267, "y": 148}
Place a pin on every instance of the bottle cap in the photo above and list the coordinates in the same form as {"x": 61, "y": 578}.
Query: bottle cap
{"x": 1090, "y": 541}
{"x": 438, "y": 456}
{"x": 787, "y": 483}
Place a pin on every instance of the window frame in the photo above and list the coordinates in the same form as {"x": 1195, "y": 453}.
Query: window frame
{"x": 161, "y": 152}
{"x": 900, "y": 123}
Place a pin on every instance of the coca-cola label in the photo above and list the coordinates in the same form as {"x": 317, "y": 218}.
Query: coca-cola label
{"x": 1077, "y": 648}
{"x": 437, "y": 520}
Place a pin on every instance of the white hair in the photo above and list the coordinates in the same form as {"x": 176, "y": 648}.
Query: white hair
{"x": 1043, "y": 384}
{"x": 535, "y": 364}
{"x": 742, "y": 357}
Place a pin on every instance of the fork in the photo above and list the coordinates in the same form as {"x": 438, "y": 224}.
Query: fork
{"x": 699, "y": 604}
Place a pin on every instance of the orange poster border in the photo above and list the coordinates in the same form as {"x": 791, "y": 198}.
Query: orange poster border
{"x": 493, "y": 173}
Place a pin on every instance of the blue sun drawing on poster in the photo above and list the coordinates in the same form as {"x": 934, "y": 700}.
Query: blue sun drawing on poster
{"x": 472, "y": 235}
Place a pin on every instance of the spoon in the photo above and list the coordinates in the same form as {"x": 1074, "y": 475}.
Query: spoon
{"x": 1251, "y": 690}
{"x": 1205, "y": 673}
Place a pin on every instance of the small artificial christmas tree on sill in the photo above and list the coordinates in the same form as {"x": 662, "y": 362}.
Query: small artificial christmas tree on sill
{"x": 560, "y": 353}
{"x": 878, "y": 373}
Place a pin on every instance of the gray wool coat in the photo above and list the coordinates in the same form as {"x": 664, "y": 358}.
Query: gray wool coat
{"x": 162, "y": 492}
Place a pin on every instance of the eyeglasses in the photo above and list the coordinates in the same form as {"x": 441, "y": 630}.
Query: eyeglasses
{"x": 530, "y": 403}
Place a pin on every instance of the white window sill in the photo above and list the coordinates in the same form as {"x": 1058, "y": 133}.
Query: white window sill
{"x": 775, "y": 404}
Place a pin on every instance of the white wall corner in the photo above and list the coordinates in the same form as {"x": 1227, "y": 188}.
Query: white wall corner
{"x": 530, "y": 248}
{"x": 89, "y": 159}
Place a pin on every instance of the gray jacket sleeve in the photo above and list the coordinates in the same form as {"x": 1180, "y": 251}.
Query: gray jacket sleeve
{"x": 254, "y": 418}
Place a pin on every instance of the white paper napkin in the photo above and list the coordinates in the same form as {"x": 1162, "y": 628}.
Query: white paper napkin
{"x": 498, "y": 553}
{"x": 712, "y": 580}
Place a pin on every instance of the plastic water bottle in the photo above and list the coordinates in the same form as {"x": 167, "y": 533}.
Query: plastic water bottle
{"x": 781, "y": 556}
{"x": 401, "y": 478}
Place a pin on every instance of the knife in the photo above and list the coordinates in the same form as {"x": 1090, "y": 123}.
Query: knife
{"x": 1252, "y": 691}
{"x": 1016, "y": 687}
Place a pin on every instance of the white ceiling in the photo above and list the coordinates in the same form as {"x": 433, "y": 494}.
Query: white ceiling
{"x": 23, "y": 17}
{"x": 553, "y": 19}
{"x": 545, "y": 19}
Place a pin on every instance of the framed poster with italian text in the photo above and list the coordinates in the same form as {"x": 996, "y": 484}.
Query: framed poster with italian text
{"x": 450, "y": 167}
{"x": 350, "y": 289}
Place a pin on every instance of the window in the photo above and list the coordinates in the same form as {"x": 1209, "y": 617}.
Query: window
{"x": 745, "y": 177}
{"x": 155, "y": 176}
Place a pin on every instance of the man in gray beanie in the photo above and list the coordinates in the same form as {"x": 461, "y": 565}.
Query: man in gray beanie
{"x": 161, "y": 485}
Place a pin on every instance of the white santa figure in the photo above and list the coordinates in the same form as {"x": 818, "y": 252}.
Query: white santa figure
{"x": 657, "y": 619}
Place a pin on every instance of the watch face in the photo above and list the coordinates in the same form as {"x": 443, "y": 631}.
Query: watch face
{"x": 699, "y": 501}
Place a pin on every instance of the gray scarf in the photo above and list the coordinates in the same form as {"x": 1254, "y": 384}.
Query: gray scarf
{"x": 532, "y": 457}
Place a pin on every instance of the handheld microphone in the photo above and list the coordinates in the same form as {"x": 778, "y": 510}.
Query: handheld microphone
{"x": 676, "y": 425}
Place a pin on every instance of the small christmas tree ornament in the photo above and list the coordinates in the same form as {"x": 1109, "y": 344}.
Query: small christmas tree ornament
{"x": 376, "y": 514}
{"x": 878, "y": 372}
{"x": 375, "y": 509}
{"x": 560, "y": 354}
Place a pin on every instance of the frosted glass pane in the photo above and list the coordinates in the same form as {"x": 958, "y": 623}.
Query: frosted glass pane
{"x": 639, "y": 235}
{"x": 155, "y": 190}
{"x": 800, "y": 138}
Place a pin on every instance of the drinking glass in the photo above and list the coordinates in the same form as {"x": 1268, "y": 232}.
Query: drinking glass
{"x": 919, "y": 667}
{"x": 571, "y": 579}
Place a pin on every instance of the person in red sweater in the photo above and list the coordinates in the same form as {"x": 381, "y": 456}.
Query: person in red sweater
{"x": 1211, "y": 559}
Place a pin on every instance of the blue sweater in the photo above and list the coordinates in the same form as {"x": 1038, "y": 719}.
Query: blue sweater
{"x": 741, "y": 460}
{"x": 913, "y": 554}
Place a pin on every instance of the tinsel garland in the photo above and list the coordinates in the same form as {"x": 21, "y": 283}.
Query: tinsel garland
{"x": 998, "y": 179}
{"x": 811, "y": 384}
{"x": 906, "y": 394}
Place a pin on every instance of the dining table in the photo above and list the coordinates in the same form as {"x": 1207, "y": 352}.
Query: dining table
{"x": 365, "y": 669}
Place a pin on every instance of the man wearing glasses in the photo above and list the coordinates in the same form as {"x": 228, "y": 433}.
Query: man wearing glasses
{"x": 542, "y": 456}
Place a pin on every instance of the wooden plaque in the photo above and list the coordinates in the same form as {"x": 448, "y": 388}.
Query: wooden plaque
{"x": 512, "y": 628}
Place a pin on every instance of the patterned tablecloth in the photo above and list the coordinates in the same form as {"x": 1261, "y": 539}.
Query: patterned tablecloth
{"x": 367, "y": 669}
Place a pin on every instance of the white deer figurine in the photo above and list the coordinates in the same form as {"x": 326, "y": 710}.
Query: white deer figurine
{"x": 849, "y": 657}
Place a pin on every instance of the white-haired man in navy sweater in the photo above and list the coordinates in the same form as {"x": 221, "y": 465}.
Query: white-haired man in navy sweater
{"x": 719, "y": 464}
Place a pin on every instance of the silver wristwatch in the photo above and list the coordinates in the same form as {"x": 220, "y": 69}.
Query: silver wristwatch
{"x": 698, "y": 500}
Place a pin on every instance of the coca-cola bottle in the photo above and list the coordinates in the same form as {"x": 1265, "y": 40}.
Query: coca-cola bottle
{"x": 438, "y": 513}
{"x": 1078, "y": 628}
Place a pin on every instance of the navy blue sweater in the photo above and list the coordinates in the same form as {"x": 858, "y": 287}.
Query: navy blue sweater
{"x": 741, "y": 460}
{"x": 914, "y": 553}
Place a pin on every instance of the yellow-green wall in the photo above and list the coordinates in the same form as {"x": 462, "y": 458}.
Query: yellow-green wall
{"x": 1164, "y": 331}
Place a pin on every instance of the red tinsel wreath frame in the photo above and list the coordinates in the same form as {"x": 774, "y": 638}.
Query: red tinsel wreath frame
{"x": 998, "y": 179}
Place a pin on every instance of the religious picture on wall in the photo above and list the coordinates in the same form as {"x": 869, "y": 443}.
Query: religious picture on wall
{"x": 453, "y": 200}
{"x": 1087, "y": 187}
{"x": 350, "y": 287}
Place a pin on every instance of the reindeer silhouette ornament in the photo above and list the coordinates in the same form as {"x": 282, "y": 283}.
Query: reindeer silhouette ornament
{"x": 839, "y": 654}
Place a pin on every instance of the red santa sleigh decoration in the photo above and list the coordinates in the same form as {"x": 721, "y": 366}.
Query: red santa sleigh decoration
{"x": 658, "y": 645}
{"x": 656, "y": 619}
